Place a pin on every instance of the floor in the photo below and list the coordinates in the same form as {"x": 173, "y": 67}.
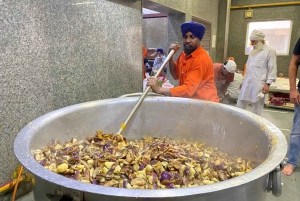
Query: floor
{"x": 291, "y": 185}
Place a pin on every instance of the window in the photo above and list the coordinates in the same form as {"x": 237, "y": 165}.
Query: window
{"x": 278, "y": 34}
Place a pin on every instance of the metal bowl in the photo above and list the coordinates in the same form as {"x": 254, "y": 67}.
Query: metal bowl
{"x": 232, "y": 130}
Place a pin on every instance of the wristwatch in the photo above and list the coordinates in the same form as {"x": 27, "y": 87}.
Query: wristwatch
{"x": 268, "y": 84}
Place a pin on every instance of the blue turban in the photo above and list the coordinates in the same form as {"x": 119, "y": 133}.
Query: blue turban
{"x": 195, "y": 28}
{"x": 160, "y": 50}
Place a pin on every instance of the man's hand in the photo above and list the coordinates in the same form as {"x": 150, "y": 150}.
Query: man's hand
{"x": 154, "y": 84}
{"x": 295, "y": 97}
{"x": 175, "y": 47}
{"x": 265, "y": 89}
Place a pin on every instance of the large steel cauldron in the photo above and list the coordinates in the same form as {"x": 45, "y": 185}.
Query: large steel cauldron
{"x": 233, "y": 130}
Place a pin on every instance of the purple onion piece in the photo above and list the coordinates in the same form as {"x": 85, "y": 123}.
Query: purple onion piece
{"x": 142, "y": 167}
{"x": 125, "y": 182}
{"x": 170, "y": 186}
{"x": 154, "y": 186}
{"x": 153, "y": 162}
{"x": 186, "y": 171}
{"x": 165, "y": 175}
{"x": 95, "y": 181}
{"x": 43, "y": 162}
{"x": 154, "y": 176}
{"x": 75, "y": 153}
{"x": 222, "y": 166}
{"x": 105, "y": 146}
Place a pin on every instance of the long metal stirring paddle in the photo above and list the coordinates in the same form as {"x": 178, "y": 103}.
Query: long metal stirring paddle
{"x": 123, "y": 125}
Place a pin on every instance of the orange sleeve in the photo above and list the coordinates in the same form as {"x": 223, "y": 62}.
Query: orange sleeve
{"x": 144, "y": 51}
{"x": 176, "y": 69}
{"x": 192, "y": 80}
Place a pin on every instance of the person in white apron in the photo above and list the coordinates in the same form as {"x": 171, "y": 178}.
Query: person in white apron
{"x": 261, "y": 73}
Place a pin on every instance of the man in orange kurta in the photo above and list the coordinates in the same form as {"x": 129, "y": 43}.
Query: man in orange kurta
{"x": 193, "y": 68}
{"x": 144, "y": 54}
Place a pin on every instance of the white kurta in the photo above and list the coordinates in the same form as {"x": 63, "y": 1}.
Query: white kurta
{"x": 261, "y": 69}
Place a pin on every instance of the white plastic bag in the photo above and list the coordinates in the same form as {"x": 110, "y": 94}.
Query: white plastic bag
{"x": 167, "y": 84}
{"x": 145, "y": 81}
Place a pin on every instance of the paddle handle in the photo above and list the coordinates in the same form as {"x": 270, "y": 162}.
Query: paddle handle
{"x": 123, "y": 125}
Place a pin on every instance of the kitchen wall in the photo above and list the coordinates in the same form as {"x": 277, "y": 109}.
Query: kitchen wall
{"x": 205, "y": 10}
{"x": 155, "y": 33}
{"x": 238, "y": 28}
{"x": 57, "y": 53}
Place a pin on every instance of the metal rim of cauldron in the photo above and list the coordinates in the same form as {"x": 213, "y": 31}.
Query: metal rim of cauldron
{"x": 23, "y": 153}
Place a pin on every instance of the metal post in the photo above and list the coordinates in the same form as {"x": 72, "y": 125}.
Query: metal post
{"x": 227, "y": 29}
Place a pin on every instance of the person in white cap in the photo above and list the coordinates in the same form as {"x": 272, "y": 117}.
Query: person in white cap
{"x": 261, "y": 73}
{"x": 224, "y": 75}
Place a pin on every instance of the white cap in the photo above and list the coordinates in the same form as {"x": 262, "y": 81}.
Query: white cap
{"x": 230, "y": 66}
{"x": 257, "y": 35}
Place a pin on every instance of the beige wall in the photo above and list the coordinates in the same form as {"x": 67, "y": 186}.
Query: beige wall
{"x": 205, "y": 9}
{"x": 56, "y": 53}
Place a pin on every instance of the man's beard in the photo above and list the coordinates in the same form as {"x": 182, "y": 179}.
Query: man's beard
{"x": 256, "y": 48}
{"x": 188, "y": 49}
